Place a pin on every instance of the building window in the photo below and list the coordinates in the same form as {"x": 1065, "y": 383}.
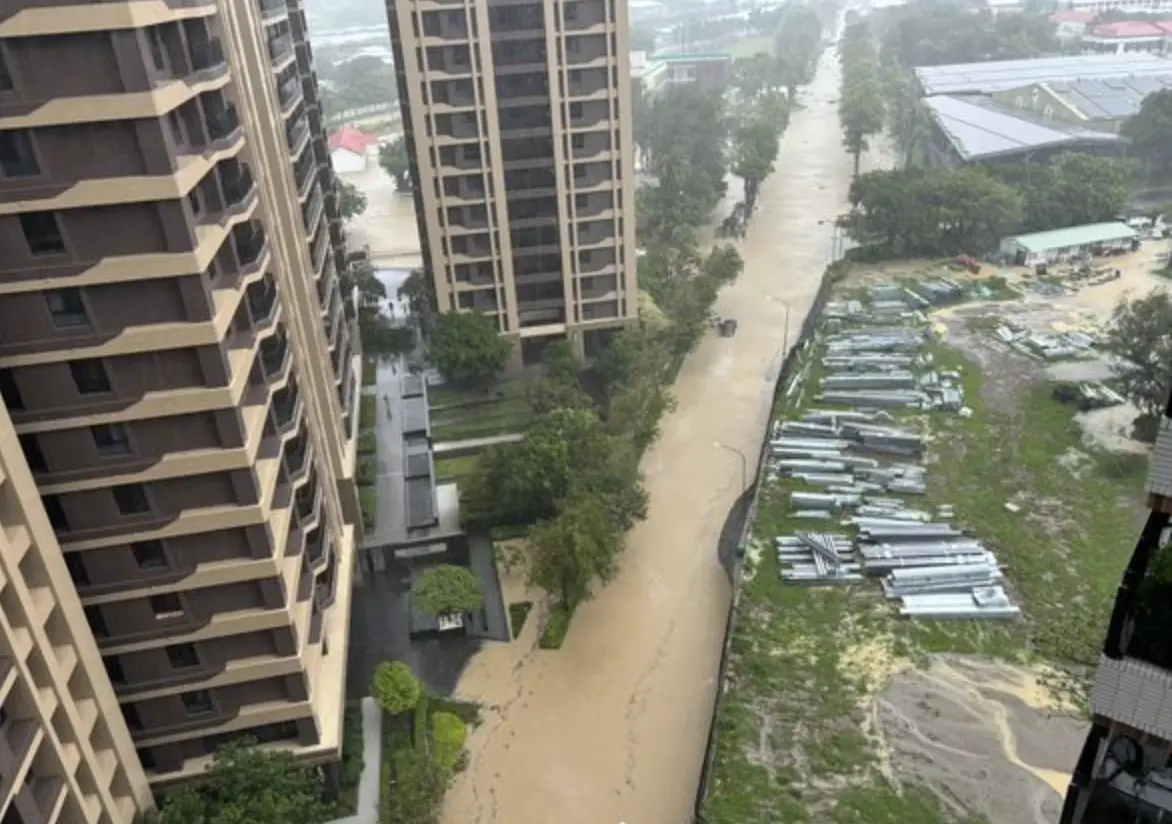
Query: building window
{"x": 56, "y": 512}
{"x": 575, "y": 111}
{"x": 17, "y": 158}
{"x": 166, "y": 606}
{"x": 67, "y": 308}
{"x": 578, "y": 141}
{"x": 42, "y": 233}
{"x": 113, "y": 667}
{"x": 198, "y": 702}
{"x": 183, "y": 656}
{"x": 93, "y": 616}
{"x": 9, "y": 391}
{"x": 77, "y": 571}
{"x": 6, "y": 84}
{"x": 131, "y": 716}
{"x": 111, "y": 439}
{"x": 150, "y": 555}
{"x": 33, "y": 454}
{"x": 571, "y": 11}
{"x": 90, "y": 376}
{"x": 131, "y": 499}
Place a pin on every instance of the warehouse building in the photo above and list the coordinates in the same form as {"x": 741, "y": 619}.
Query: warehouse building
{"x": 1068, "y": 243}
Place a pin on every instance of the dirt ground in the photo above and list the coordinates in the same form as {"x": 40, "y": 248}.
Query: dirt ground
{"x": 965, "y": 725}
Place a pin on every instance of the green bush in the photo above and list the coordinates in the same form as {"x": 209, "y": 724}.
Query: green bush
{"x": 368, "y": 414}
{"x": 353, "y": 742}
{"x": 368, "y": 501}
{"x": 555, "y": 631}
{"x": 448, "y": 736}
{"x": 367, "y": 443}
{"x": 395, "y": 687}
{"x": 366, "y": 471}
{"x": 518, "y": 612}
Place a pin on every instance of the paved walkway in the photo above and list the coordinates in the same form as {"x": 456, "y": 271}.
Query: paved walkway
{"x": 390, "y": 516}
{"x": 473, "y": 444}
{"x": 372, "y": 755}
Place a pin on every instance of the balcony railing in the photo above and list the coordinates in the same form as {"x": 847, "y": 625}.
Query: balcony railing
{"x": 280, "y": 48}
{"x": 238, "y": 187}
{"x": 313, "y": 210}
{"x": 305, "y": 174}
{"x": 295, "y": 458}
{"x": 272, "y": 8}
{"x": 262, "y": 302}
{"x": 290, "y": 91}
{"x": 207, "y": 56}
{"x": 223, "y": 123}
{"x": 250, "y": 246}
{"x": 295, "y": 133}
{"x": 273, "y": 352}
{"x": 285, "y": 406}
{"x": 308, "y": 498}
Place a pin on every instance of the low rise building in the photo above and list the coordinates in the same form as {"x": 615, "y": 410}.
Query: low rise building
{"x": 1068, "y": 243}
{"x": 1129, "y": 36}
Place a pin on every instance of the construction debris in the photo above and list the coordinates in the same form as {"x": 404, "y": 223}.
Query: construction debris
{"x": 850, "y": 464}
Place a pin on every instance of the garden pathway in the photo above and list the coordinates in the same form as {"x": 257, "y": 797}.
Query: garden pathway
{"x": 372, "y": 756}
{"x": 612, "y": 727}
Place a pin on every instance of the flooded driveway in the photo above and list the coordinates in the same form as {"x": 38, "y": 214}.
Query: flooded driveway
{"x": 612, "y": 727}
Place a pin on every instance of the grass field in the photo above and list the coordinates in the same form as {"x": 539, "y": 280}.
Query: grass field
{"x": 793, "y": 743}
{"x": 463, "y": 414}
{"x": 454, "y": 468}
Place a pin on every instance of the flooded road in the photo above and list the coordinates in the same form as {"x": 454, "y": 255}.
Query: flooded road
{"x": 612, "y": 727}
{"x": 387, "y": 227}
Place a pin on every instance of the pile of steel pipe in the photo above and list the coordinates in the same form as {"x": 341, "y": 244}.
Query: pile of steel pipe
{"x": 815, "y": 558}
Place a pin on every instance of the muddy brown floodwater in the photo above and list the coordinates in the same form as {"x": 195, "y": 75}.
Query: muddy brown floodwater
{"x": 612, "y": 727}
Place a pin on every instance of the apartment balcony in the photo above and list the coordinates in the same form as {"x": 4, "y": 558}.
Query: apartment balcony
{"x": 440, "y": 28}
{"x": 240, "y": 196}
{"x": 224, "y": 126}
{"x": 297, "y": 136}
{"x": 308, "y": 503}
{"x": 207, "y": 57}
{"x": 53, "y": 20}
{"x": 281, "y": 50}
{"x": 274, "y": 353}
{"x": 305, "y": 175}
{"x": 311, "y": 214}
{"x": 290, "y": 93}
{"x": 262, "y": 301}
{"x": 318, "y": 254}
{"x": 273, "y": 10}
{"x": 251, "y": 244}
{"x": 586, "y": 18}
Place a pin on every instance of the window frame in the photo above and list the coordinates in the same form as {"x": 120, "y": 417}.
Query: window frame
{"x": 78, "y": 317}
{"x": 106, "y": 451}
{"x": 36, "y": 251}
{"x": 211, "y": 707}
{"x": 162, "y": 562}
{"x": 75, "y": 365}
{"x": 156, "y": 601}
{"x": 141, "y": 488}
{"x": 38, "y": 168}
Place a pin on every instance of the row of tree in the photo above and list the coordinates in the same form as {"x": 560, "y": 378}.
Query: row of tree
{"x": 966, "y": 210}
{"x": 860, "y": 104}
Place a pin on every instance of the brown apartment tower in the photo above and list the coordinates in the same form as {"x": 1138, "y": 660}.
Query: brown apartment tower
{"x": 517, "y": 117}
{"x": 178, "y": 366}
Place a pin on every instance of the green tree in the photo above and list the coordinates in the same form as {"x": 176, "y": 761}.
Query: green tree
{"x": 466, "y": 347}
{"x": 245, "y": 783}
{"x": 559, "y": 386}
{"x": 395, "y": 688}
{"x": 371, "y": 291}
{"x": 860, "y": 105}
{"x": 418, "y": 292}
{"x": 1071, "y": 190}
{"x": 448, "y": 736}
{"x": 383, "y": 340}
{"x": 907, "y": 119}
{"x": 351, "y": 201}
{"x": 1140, "y": 337}
{"x": 579, "y": 545}
{"x": 566, "y": 451}
{"x": 755, "y": 147}
{"x": 796, "y": 45}
{"x": 395, "y": 161}
{"x": 724, "y": 264}
{"x": 1150, "y": 133}
{"x": 446, "y": 589}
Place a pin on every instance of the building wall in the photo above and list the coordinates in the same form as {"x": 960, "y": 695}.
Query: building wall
{"x": 346, "y": 162}
{"x": 522, "y": 170}
{"x": 178, "y": 359}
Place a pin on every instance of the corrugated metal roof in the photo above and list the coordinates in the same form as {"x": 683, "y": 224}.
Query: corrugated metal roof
{"x": 998, "y": 75}
{"x": 1109, "y": 99}
{"x": 1074, "y": 236}
{"x": 977, "y": 129}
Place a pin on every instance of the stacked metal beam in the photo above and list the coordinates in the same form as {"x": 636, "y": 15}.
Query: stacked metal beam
{"x": 815, "y": 558}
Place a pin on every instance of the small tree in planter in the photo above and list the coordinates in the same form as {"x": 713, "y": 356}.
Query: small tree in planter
{"x": 448, "y": 734}
{"x": 448, "y": 590}
{"x": 395, "y": 688}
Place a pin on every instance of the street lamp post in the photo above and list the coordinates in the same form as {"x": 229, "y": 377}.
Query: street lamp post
{"x": 744, "y": 462}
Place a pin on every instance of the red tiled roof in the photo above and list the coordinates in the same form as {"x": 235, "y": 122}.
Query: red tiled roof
{"x": 1165, "y": 26}
{"x": 352, "y": 140}
{"x": 1127, "y": 28}
{"x": 1073, "y": 16}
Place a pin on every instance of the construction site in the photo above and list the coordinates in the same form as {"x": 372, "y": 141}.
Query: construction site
{"x": 938, "y": 537}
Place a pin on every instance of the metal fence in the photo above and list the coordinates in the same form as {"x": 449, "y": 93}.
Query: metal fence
{"x": 746, "y": 509}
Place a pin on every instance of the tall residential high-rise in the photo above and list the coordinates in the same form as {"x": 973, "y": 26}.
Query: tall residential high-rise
{"x": 1122, "y": 774}
{"x": 179, "y": 362}
{"x": 517, "y": 119}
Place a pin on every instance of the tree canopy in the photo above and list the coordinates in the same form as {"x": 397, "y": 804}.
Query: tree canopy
{"x": 756, "y": 143}
{"x": 351, "y": 200}
{"x": 1140, "y": 336}
{"x": 395, "y": 688}
{"x": 247, "y": 784}
{"x": 936, "y": 32}
{"x": 1150, "y": 133}
{"x": 395, "y": 161}
{"x": 796, "y": 45}
{"x": 572, "y": 549}
{"x": 466, "y": 347}
{"x": 860, "y": 104}
{"x": 445, "y": 589}
{"x": 966, "y": 210}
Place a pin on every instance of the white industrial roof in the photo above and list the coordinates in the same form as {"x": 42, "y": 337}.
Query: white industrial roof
{"x": 998, "y": 75}
{"x": 1113, "y": 98}
{"x": 1073, "y": 236}
{"x": 978, "y": 129}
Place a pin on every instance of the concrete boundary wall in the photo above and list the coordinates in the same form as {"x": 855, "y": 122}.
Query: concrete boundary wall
{"x": 735, "y": 536}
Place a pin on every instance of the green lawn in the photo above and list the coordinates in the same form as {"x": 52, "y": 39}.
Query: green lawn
{"x": 454, "y": 468}
{"x": 462, "y": 414}
{"x": 791, "y": 728}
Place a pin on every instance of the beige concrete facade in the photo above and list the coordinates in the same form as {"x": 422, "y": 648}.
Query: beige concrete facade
{"x": 180, "y": 366}
{"x": 517, "y": 115}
